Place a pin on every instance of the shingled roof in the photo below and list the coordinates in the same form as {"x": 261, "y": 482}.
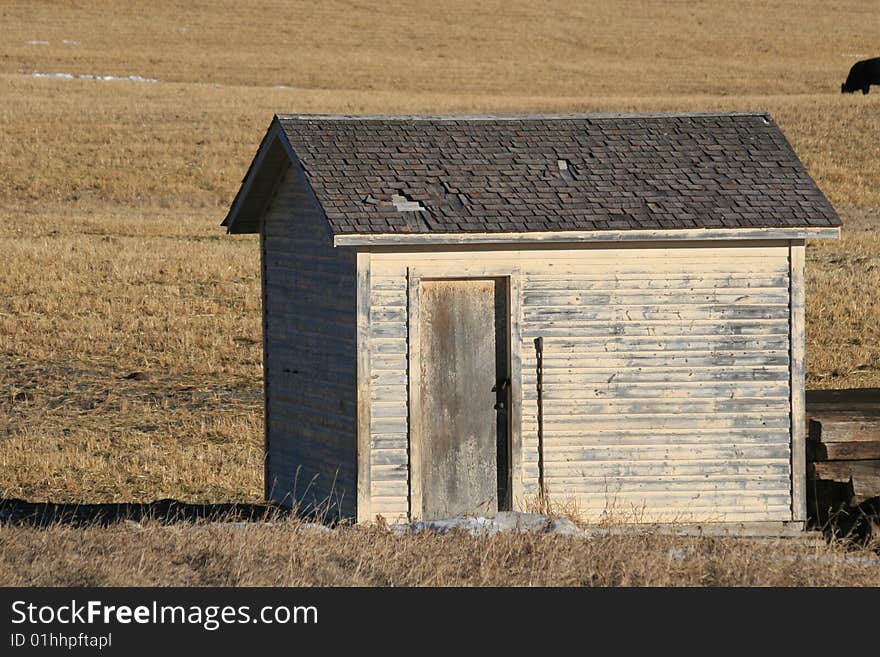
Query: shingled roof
{"x": 497, "y": 174}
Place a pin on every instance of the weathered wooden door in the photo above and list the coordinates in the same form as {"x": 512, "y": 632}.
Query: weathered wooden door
{"x": 464, "y": 397}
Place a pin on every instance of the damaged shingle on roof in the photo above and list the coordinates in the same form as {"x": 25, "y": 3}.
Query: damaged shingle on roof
{"x": 555, "y": 173}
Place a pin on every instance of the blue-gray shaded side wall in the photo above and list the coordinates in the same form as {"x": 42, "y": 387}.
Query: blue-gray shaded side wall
{"x": 309, "y": 326}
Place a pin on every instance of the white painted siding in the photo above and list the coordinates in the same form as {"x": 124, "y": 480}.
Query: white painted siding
{"x": 666, "y": 381}
{"x": 389, "y": 463}
{"x": 310, "y": 354}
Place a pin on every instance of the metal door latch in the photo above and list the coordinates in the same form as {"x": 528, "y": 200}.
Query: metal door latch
{"x": 501, "y": 386}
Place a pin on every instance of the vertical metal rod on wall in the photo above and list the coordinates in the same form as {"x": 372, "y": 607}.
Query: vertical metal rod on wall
{"x": 539, "y": 359}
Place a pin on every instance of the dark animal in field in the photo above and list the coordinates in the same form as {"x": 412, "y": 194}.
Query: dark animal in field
{"x": 861, "y": 76}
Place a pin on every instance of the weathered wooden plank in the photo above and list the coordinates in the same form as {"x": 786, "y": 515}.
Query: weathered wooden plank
{"x": 312, "y": 277}
{"x": 389, "y": 297}
{"x": 647, "y": 391}
{"x": 561, "y": 379}
{"x": 681, "y": 500}
{"x": 268, "y": 478}
{"x": 389, "y": 393}
{"x": 390, "y": 472}
{"x": 387, "y": 284}
{"x": 299, "y": 428}
{"x": 635, "y": 513}
{"x": 309, "y": 332}
{"x": 689, "y": 452}
{"x": 394, "y": 441}
{"x": 388, "y": 314}
{"x": 662, "y": 470}
{"x": 690, "y": 342}
{"x": 388, "y": 378}
{"x": 514, "y": 301}
{"x": 572, "y": 317}
{"x": 614, "y": 372}
{"x": 389, "y": 362}
{"x": 743, "y": 529}
{"x": 294, "y": 392}
{"x": 553, "y": 299}
{"x": 583, "y": 253}
{"x": 341, "y": 410}
{"x": 863, "y": 475}
{"x": 397, "y": 457}
{"x": 390, "y": 509}
{"x": 779, "y": 485}
{"x": 651, "y": 328}
{"x": 798, "y": 369}
{"x": 844, "y": 429}
{"x": 392, "y": 407}
{"x": 364, "y": 395}
{"x": 665, "y": 359}
{"x": 297, "y": 370}
{"x": 388, "y": 346}
{"x": 615, "y": 280}
{"x": 389, "y": 425}
{"x": 387, "y": 410}
{"x": 851, "y": 451}
{"x": 414, "y": 379}
{"x": 396, "y": 489}
{"x": 671, "y": 404}
{"x": 840, "y": 403}
{"x": 603, "y": 236}
{"x": 388, "y": 329}
{"x": 625, "y": 436}
{"x": 541, "y": 270}
{"x": 649, "y": 422}
{"x": 318, "y": 317}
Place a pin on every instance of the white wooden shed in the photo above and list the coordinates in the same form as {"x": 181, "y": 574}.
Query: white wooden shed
{"x": 461, "y": 312}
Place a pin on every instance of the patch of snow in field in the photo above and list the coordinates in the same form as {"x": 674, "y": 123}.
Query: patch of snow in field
{"x": 70, "y": 42}
{"x": 281, "y": 86}
{"x": 38, "y": 43}
{"x": 86, "y": 76}
{"x": 66, "y": 76}
{"x": 853, "y": 54}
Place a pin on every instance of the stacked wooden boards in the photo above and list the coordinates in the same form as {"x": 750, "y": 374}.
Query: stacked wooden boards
{"x": 843, "y": 447}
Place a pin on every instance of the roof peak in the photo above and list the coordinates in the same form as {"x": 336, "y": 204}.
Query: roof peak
{"x": 521, "y": 117}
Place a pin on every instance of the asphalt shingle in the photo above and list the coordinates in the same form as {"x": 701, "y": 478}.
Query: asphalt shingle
{"x": 506, "y": 174}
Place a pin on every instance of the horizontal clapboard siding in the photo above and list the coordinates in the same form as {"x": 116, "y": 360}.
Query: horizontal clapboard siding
{"x": 667, "y": 385}
{"x": 310, "y": 360}
{"x": 389, "y": 454}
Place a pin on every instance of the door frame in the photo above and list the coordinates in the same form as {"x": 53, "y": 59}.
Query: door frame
{"x": 463, "y": 271}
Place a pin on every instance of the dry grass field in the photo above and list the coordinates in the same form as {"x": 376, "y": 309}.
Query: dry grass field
{"x": 288, "y": 554}
{"x": 130, "y": 323}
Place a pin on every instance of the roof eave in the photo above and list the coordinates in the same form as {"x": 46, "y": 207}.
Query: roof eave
{"x": 232, "y": 220}
{"x": 606, "y": 236}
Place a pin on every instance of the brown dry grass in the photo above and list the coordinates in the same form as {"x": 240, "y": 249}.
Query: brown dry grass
{"x": 129, "y": 323}
{"x": 287, "y": 554}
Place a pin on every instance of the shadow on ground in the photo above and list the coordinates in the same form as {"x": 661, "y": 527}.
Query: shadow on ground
{"x": 42, "y": 514}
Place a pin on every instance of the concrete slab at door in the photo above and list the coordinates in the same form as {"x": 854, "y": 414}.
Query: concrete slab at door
{"x": 462, "y": 345}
